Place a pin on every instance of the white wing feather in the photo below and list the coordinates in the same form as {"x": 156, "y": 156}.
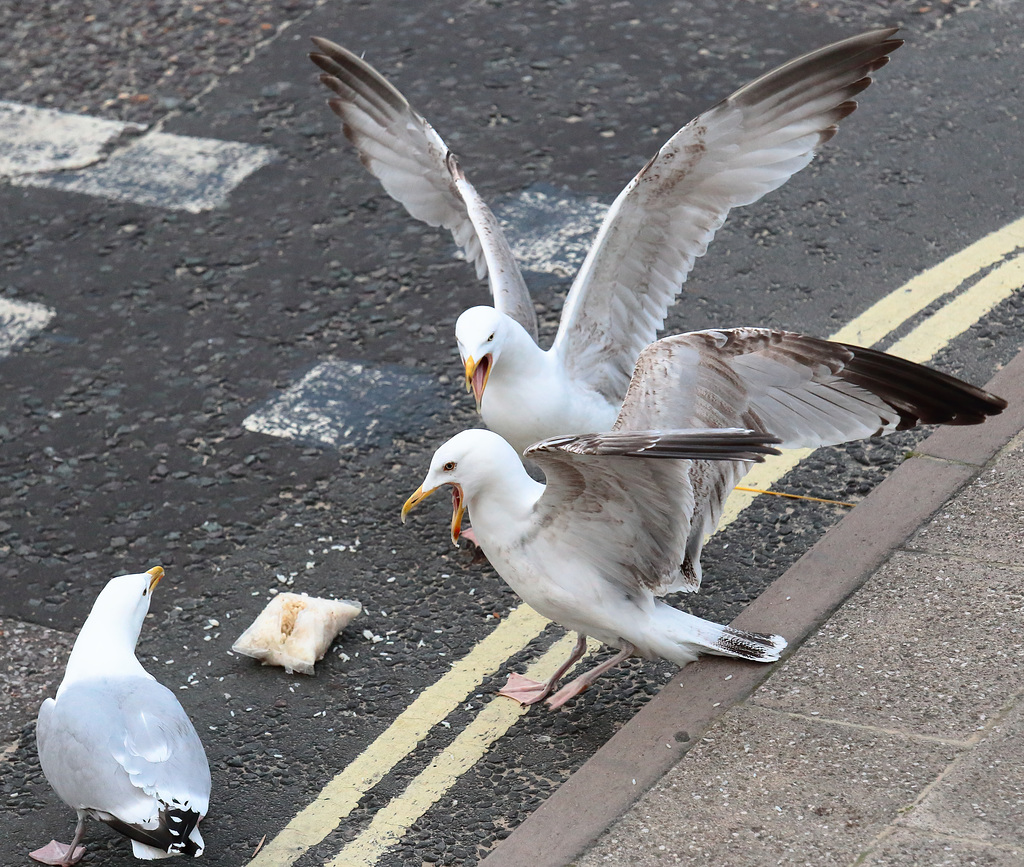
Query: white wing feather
{"x": 731, "y": 155}
{"x": 123, "y": 747}
{"x": 623, "y": 500}
{"x": 805, "y": 391}
{"x": 417, "y": 169}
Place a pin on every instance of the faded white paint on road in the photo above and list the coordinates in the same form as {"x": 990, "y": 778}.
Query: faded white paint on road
{"x": 42, "y": 140}
{"x": 51, "y": 149}
{"x": 345, "y": 403}
{"x": 550, "y": 230}
{"x": 19, "y": 320}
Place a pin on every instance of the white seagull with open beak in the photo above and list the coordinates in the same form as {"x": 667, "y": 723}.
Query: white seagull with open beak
{"x": 734, "y": 153}
{"x": 594, "y": 547}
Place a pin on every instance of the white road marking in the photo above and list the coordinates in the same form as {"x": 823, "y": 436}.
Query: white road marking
{"x": 346, "y": 403}
{"x": 552, "y": 229}
{"x": 43, "y": 140}
{"x": 54, "y": 150}
{"x": 19, "y": 320}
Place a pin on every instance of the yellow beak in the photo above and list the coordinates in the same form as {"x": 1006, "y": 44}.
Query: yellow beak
{"x": 477, "y": 374}
{"x": 458, "y": 507}
{"x": 155, "y": 574}
{"x": 418, "y": 497}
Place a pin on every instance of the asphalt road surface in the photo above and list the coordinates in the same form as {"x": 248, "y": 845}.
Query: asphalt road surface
{"x": 133, "y": 422}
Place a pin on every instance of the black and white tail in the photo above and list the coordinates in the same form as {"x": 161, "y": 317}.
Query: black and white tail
{"x": 682, "y": 637}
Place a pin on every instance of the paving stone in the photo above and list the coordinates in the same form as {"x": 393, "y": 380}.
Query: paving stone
{"x": 930, "y": 646}
{"x": 982, "y": 796}
{"x": 765, "y": 788}
{"x": 986, "y": 520}
{"x": 912, "y": 847}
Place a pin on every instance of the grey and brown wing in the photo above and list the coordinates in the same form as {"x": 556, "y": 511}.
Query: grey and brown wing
{"x": 623, "y": 500}
{"x": 806, "y": 391}
{"x": 417, "y": 169}
{"x": 731, "y": 155}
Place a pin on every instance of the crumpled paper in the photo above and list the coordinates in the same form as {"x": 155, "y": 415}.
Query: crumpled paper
{"x": 295, "y": 630}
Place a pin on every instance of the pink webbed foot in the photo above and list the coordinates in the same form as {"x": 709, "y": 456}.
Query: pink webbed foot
{"x": 566, "y": 693}
{"x": 524, "y": 690}
{"x": 57, "y": 854}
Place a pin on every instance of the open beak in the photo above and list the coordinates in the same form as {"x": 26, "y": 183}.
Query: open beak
{"x": 155, "y": 574}
{"x": 458, "y": 507}
{"x": 418, "y": 497}
{"x": 477, "y": 373}
{"x": 458, "y": 510}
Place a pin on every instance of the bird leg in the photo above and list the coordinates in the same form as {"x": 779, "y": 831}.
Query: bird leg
{"x": 527, "y": 691}
{"x": 575, "y": 687}
{"x": 60, "y": 854}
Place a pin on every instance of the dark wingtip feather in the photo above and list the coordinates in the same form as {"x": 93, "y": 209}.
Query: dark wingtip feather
{"x": 920, "y": 394}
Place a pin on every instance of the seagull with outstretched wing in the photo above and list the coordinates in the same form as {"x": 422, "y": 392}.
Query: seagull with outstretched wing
{"x": 594, "y": 547}
{"x": 804, "y": 391}
{"x": 732, "y": 154}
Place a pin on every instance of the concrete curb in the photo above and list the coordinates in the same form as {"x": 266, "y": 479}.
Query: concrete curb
{"x": 795, "y": 605}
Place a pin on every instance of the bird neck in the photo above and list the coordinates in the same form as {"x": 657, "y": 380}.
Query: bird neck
{"x": 520, "y": 355}
{"x": 498, "y": 508}
{"x": 100, "y": 651}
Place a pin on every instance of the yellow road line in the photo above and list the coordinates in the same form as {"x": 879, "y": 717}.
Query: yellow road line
{"x": 921, "y": 344}
{"x": 392, "y": 821}
{"x": 341, "y": 795}
{"x": 886, "y": 315}
{"x": 961, "y": 313}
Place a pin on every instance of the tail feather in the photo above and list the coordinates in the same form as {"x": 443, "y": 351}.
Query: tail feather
{"x": 755, "y": 646}
{"x": 681, "y": 637}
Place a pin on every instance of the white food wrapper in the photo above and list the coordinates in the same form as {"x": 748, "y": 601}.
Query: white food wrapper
{"x": 295, "y": 631}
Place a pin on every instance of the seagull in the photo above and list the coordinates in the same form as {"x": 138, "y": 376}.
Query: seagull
{"x": 747, "y": 145}
{"x": 594, "y": 547}
{"x": 115, "y": 745}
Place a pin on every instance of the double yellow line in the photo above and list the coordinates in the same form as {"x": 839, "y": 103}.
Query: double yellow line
{"x": 996, "y": 254}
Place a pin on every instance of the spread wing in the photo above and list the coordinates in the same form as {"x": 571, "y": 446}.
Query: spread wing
{"x": 610, "y": 500}
{"x": 731, "y": 155}
{"x": 806, "y": 391}
{"x": 126, "y": 747}
{"x": 416, "y": 169}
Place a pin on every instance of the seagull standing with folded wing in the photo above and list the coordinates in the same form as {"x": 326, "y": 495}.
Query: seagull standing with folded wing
{"x": 115, "y": 745}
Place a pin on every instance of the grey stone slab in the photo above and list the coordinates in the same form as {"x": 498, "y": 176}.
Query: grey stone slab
{"x": 33, "y": 659}
{"x": 907, "y": 847}
{"x": 929, "y": 646}
{"x": 986, "y": 520}
{"x": 765, "y": 788}
{"x": 982, "y": 795}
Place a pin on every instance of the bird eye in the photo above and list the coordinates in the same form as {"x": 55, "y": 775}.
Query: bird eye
{"x": 489, "y": 339}
{"x": 449, "y": 466}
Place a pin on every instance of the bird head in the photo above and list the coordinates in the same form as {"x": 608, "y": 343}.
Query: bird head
{"x": 481, "y": 333}
{"x": 124, "y": 602}
{"x": 465, "y": 462}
